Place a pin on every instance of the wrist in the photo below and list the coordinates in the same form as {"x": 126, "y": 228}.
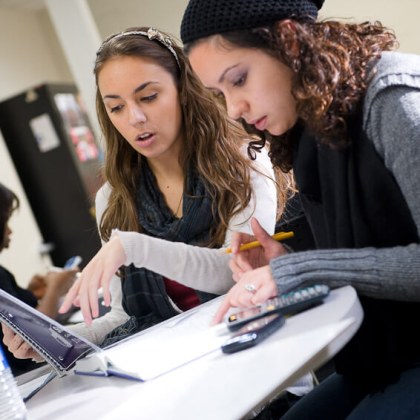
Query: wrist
{"x": 52, "y": 292}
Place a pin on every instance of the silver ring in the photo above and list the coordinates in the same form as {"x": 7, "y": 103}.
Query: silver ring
{"x": 249, "y": 287}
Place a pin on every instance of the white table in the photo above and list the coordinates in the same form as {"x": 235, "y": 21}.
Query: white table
{"x": 216, "y": 386}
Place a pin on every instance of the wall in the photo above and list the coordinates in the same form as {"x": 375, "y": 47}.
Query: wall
{"x": 113, "y": 16}
{"x": 31, "y": 54}
{"x": 402, "y": 17}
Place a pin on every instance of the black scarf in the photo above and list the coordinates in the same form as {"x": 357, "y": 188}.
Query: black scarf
{"x": 353, "y": 201}
{"x": 144, "y": 293}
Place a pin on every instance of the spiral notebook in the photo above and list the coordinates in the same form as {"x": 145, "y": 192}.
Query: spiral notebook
{"x": 143, "y": 356}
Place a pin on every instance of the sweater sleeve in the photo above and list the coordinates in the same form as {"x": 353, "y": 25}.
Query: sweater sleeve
{"x": 393, "y": 125}
{"x": 116, "y": 316}
{"x": 101, "y": 326}
{"x": 203, "y": 268}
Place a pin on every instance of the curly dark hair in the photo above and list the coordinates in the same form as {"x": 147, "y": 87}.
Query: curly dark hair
{"x": 9, "y": 202}
{"x": 332, "y": 69}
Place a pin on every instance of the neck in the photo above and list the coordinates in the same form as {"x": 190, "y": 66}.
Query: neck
{"x": 170, "y": 180}
{"x": 167, "y": 172}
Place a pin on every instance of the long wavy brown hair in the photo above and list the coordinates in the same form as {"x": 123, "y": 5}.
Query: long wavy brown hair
{"x": 212, "y": 141}
{"x": 332, "y": 69}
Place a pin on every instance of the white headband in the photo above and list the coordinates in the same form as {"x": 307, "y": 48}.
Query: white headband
{"x": 152, "y": 34}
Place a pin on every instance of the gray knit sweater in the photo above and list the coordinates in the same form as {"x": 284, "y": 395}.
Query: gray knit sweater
{"x": 391, "y": 119}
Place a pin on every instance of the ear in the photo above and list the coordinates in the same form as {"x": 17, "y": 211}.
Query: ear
{"x": 288, "y": 28}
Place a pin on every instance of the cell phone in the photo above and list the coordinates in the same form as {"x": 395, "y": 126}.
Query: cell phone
{"x": 73, "y": 262}
{"x": 286, "y": 304}
{"x": 253, "y": 333}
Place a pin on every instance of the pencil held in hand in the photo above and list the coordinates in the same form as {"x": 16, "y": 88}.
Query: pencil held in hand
{"x": 280, "y": 236}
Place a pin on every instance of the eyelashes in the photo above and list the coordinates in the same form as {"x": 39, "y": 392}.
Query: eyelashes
{"x": 145, "y": 99}
{"x": 240, "y": 81}
{"x": 115, "y": 109}
{"x": 149, "y": 98}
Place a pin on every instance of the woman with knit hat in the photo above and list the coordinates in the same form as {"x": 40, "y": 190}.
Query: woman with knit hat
{"x": 343, "y": 111}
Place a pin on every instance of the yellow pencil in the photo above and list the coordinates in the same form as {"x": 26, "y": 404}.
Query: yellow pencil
{"x": 280, "y": 236}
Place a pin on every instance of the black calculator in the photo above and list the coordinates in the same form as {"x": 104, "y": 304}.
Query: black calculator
{"x": 286, "y": 304}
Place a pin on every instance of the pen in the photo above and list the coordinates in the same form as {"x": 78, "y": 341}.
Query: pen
{"x": 277, "y": 236}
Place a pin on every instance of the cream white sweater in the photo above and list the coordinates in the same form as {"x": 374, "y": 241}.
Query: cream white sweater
{"x": 201, "y": 268}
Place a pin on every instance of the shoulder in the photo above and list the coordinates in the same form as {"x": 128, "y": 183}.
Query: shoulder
{"x": 6, "y": 279}
{"x": 262, "y": 162}
{"x": 101, "y": 200}
{"x": 391, "y": 112}
{"x": 9, "y": 284}
{"x": 394, "y": 70}
{"x": 263, "y": 204}
{"x": 102, "y": 195}
{"x": 263, "y": 179}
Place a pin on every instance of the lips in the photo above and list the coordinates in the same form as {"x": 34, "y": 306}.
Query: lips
{"x": 144, "y": 136}
{"x": 261, "y": 123}
{"x": 145, "y": 139}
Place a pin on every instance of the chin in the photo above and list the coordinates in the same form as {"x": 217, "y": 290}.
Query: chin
{"x": 279, "y": 131}
{"x": 276, "y": 133}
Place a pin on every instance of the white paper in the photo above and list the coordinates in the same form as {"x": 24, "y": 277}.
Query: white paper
{"x": 160, "y": 350}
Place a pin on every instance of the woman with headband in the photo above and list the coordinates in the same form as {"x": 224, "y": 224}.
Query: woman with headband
{"x": 343, "y": 111}
{"x": 179, "y": 181}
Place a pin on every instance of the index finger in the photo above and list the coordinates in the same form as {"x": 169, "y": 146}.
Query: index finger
{"x": 69, "y": 298}
{"x": 221, "y": 312}
{"x": 85, "y": 308}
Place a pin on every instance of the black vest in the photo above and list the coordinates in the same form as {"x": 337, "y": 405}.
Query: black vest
{"x": 353, "y": 201}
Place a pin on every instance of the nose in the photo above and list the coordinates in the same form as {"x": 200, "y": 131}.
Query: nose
{"x": 236, "y": 107}
{"x": 136, "y": 115}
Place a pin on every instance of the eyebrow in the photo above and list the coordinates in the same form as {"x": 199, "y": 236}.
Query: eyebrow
{"x": 136, "y": 90}
{"x": 222, "y": 77}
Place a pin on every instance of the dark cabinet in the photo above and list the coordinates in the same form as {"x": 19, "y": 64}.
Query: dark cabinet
{"x": 58, "y": 159}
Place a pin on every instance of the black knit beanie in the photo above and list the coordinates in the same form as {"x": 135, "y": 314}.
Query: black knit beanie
{"x": 203, "y": 18}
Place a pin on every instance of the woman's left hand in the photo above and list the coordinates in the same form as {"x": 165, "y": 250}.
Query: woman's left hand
{"x": 253, "y": 288}
{"x": 243, "y": 261}
{"x": 18, "y": 346}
